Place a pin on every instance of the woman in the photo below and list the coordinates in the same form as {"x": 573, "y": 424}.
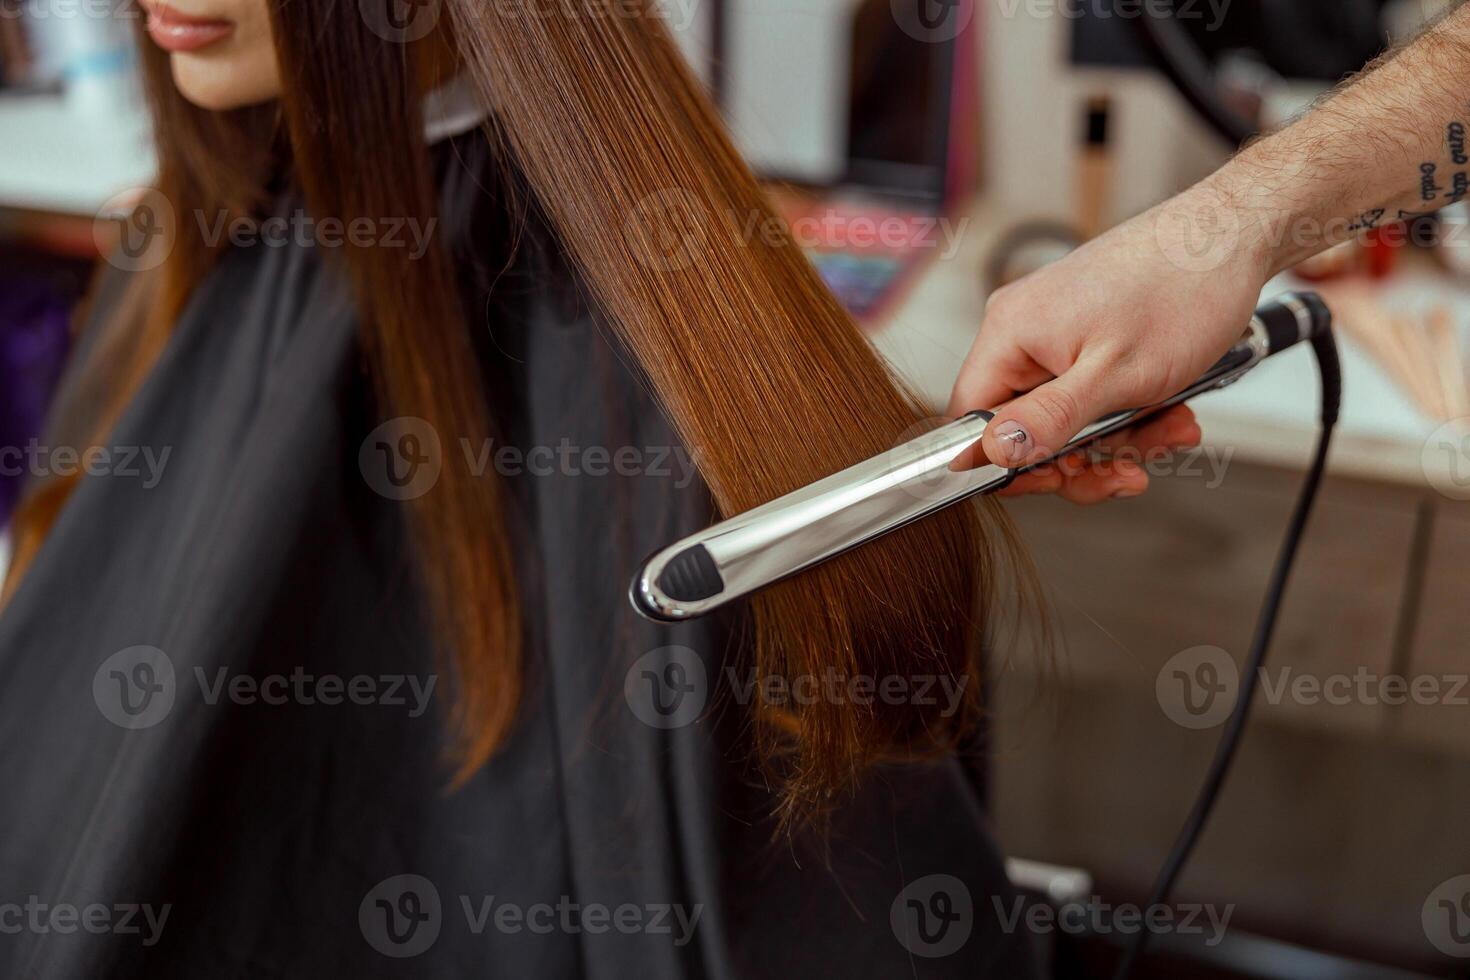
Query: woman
{"x": 352, "y": 689}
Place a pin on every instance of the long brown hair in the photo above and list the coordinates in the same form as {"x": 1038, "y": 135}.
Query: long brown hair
{"x": 758, "y": 367}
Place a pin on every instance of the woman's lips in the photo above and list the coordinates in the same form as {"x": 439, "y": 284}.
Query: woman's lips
{"x": 174, "y": 31}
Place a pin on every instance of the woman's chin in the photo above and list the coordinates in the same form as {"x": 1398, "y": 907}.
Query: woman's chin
{"x": 220, "y": 85}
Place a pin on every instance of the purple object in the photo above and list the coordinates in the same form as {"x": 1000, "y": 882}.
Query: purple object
{"x": 34, "y": 337}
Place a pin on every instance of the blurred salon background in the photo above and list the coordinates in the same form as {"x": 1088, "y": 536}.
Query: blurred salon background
{"x": 925, "y": 153}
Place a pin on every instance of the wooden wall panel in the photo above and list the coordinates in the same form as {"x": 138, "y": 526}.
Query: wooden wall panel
{"x": 1335, "y": 825}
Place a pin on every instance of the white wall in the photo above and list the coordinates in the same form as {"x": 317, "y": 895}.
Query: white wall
{"x": 1034, "y": 102}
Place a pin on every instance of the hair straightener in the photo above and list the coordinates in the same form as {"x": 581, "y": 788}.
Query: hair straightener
{"x": 746, "y": 553}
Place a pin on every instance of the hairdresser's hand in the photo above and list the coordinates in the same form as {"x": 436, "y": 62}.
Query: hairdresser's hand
{"x": 1129, "y": 319}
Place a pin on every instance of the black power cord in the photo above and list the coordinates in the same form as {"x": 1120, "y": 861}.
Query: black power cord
{"x": 1328, "y": 366}
{"x": 1170, "y": 47}
{"x": 1175, "y": 54}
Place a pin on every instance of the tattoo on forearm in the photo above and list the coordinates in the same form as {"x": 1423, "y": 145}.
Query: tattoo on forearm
{"x": 1366, "y": 220}
{"x": 1428, "y": 189}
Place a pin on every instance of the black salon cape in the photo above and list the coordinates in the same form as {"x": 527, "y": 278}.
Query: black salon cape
{"x": 278, "y": 835}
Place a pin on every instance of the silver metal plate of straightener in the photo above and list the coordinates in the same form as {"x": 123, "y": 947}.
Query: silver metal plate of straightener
{"x": 755, "y": 549}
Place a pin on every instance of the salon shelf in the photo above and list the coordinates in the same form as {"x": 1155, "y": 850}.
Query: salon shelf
{"x": 57, "y": 159}
{"x": 1269, "y": 417}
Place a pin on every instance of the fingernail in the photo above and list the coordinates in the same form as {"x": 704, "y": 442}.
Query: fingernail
{"x": 1014, "y": 441}
{"x": 1126, "y": 492}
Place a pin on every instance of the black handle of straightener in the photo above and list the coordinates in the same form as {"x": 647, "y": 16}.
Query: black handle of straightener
{"x": 1293, "y": 318}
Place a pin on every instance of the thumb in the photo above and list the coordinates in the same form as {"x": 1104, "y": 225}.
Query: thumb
{"x": 1042, "y": 421}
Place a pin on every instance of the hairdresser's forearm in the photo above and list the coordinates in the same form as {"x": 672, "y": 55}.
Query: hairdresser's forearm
{"x": 1393, "y": 144}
